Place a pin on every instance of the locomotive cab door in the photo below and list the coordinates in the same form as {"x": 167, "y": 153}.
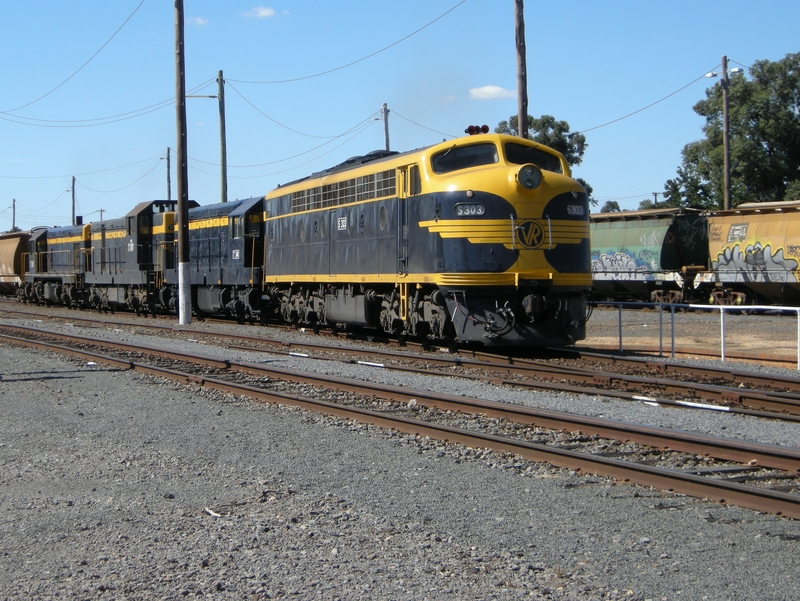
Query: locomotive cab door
{"x": 409, "y": 184}
{"x": 342, "y": 255}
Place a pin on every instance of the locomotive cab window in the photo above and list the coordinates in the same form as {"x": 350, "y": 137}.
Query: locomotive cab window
{"x": 463, "y": 157}
{"x": 237, "y": 227}
{"x": 414, "y": 182}
{"x": 520, "y": 154}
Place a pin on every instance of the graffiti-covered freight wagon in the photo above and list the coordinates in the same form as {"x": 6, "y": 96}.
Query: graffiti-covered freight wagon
{"x": 754, "y": 253}
{"x": 648, "y": 255}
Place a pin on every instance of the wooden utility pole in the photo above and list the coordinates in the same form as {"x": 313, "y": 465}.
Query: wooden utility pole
{"x": 13, "y": 214}
{"x": 385, "y": 113}
{"x": 223, "y": 150}
{"x": 73, "y": 200}
{"x": 169, "y": 182}
{"x": 522, "y": 71}
{"x": 223, "y": 147}
{"x": 726, "y": 138}
{"x": 184, "y": 291}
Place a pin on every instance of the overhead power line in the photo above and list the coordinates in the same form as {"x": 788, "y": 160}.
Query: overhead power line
{"x": 352, "y": 133}
{"x": 286, "y": 127}
{"x": 100, "y": 120}
{"x": 359, "y": 131}
{"x": 643, "y": 194}
{"x": 82, "y": 66}
{"x": 77, "y": 174}
{"x": 652, "y": 104}
{"x": 148, "y": 172}
{"x": 359, "y": 126}
{"x": 350, "y": 64}
{"x": 436, "y": 131}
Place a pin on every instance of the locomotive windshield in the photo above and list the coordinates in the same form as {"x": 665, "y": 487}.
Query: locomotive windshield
{"x": 462, "y": 157}
{"x": 522, "y": 155}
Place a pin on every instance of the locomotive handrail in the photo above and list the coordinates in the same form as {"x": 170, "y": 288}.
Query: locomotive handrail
{"x": 549, "y": 233}
{"x": 71, "y": 264}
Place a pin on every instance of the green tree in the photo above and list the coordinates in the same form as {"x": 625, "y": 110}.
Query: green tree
{"x": 654, "y": 203}
{"x": 610, "y": 206}
{"x": 793, "y": 191}
{"x": 764, "y": 130}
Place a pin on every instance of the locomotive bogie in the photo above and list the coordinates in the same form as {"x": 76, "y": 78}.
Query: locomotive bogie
{"x": 232, "y": 301}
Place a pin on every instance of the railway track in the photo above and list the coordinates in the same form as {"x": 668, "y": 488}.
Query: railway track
{"x": 742, "y": 473}
{"x": 635, "y": 379}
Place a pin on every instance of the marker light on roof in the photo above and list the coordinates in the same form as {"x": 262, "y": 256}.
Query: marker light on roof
{"x": 477, "y": 129}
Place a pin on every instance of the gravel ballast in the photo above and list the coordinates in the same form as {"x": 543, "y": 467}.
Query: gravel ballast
{"x": 116, "y": 486}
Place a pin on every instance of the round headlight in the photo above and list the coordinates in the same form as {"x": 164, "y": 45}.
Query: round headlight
{"x": 529, "y": 176}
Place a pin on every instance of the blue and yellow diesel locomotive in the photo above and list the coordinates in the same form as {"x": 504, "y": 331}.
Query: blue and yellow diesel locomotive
{"x": 483, "y": 238}
{"x": 110, "y": 264}
{"x": 479, "y": 239}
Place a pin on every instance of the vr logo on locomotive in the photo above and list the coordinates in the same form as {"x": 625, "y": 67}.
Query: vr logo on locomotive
{"x": 529, "y": 234}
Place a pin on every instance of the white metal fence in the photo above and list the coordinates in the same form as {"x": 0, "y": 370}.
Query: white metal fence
{"x": 720, "y": 309}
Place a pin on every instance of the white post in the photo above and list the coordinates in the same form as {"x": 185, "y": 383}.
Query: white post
{"x": 184, "y": 295}
{"x": 722, "y": 332}
{"x": 672, "y": 331}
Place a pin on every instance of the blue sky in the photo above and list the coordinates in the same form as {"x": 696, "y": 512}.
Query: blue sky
{"x": 88, "y": 88}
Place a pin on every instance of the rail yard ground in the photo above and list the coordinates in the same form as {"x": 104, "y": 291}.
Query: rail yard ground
{"x": 117, "y": 486}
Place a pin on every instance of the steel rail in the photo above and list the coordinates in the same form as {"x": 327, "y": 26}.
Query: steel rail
{"x": 733, "y": 400}
{"x": 751, "y": 453}
{"x": 739, "y": 400}
{"x": 736, "y": 376}
{"x": 721, "y": 491}
{"x": 540, "y": 385}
